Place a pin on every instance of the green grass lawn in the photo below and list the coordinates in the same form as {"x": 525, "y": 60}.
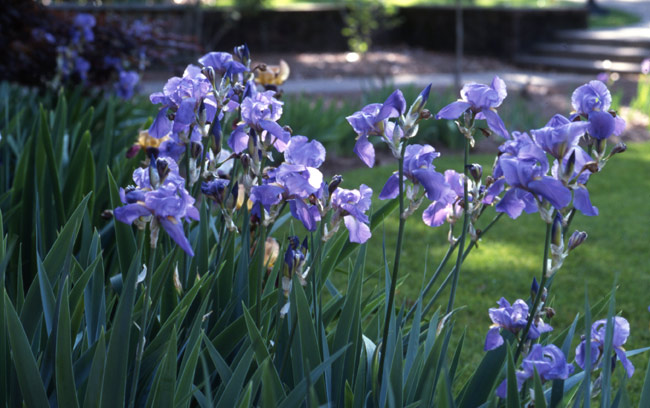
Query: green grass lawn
{"x": 511, "y": 254}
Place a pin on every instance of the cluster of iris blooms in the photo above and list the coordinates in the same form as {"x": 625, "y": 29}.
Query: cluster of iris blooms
{"x": 222, "y": 90}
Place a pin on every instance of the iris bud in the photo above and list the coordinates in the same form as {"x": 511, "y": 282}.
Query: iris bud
{"x": 196, "y": 149}
{"x": 577, "y": 238}
{"x": 216, "y": 134}
{"x": 556, "y": 231}
{"x": 162, "y": 167}
{"x": 591, "y": 166}
{"x": 336, "y": 181}
{"x": 619, "y": 148}
{"x": 202, "y": 114}
{"x": 570, "y": 166}
{"x": 245, "y": 160}
{"x": 476, "y": 171}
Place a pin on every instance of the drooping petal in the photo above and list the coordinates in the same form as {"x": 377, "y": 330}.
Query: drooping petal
{"x": 130, "y": 212}
{"x": 436, "y": 214}
{"x": 174, "y": 228}
{"x": 161, "y": 126}
{"x": 391, "y": 188}
{"x": 308, "y": 215}
{"x": 453, "y": 110}
{"x": 279, "y": 137}
{"x": 629, "y": 368}
{"x": 582, "y": 203}
{"x": 495, "y": 123}
{"x": 601, "y": 125}
{"x": 580, "y": 354}
{"x": 365, "y": 150}
{"x": 359, "y": 232}
{"x": 238, "y": 140}
{"x": 493, "y": 339}
{"x": 510, "y": 204}
{"x": 434, "y": 184}
{"x": 552, "y": 190}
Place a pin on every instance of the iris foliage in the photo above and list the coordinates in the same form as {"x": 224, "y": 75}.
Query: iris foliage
{"x": 174, "y": 277}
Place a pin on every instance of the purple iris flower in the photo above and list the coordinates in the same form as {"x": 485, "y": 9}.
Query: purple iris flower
{"x": 222, "y": 62}
{"x": 126, "y": 85}
{"x": 267, "y": 195}
{"x": 559, "y": 135}
{"x": 592, "y": 101}
{"x": 512, "y": 318}
{"x": 215, "y": 189}
{"x": 352, "y": 205}
{"x": 85, "y": 23}
{"x": 448, "y": 203}
{"x": 419, "y": 169}
{"x": 590, "y": 97}
{"x": 260, "y": 112}
{"x": 550, "y": 363}
{"x": 372, "y": 120}
{"x": 620, "y": 334}
{"x": 574, "y": 173}
{"x": 304, "y": 152}
{"x": 523, "y": 166}
{"x": 483, "y": 101}
{"x": 169, "y": 202}
{"x": 182, "y": 96}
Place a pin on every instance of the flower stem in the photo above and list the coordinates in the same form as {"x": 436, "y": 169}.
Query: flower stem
{"x": 461, "y": 246}
{"x": 540, "y": 291}
{"x": 398, "y": 253}
{"x": 143, "y": 325}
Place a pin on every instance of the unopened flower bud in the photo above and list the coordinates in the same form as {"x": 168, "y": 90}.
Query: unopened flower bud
{"x": 592, "y": 166}
{"x": 209, "y": 73}
{"x": 476, "y": 171}
{"x": 242, "y": 53}
{"x": 534, "y": 287}
{"x": 107, "y": 214}
{"x": 556, "y": 232}
{"x": 619, "y": 148}
{"x": 154, "y": 177}
{"x": 216, "y": 135}
{"x": 570, "y": 166}
{"x": 601, "y": 145}
{"x": 162, "y": 166}
{"x": 420, "y": 101}
{"x": 287, "y": 128}
{"x": 245, "y": 160}
{"x": 196, "y": 149}
{"x": 550, "y": 312}
{"x": 577, "y": 238}
{"x": 202, "y": 114}
{"x": 425, "y": 114}
{"x": 133, "y": 150}
{"x": 336, "y": 181}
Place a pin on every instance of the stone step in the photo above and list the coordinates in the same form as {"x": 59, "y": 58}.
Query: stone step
{"x": 632, "y": 37}
{"x": 576, "y": 64}
{"x": 593, "y": 51}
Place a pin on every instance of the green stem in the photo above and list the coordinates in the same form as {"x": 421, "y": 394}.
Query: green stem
{"x": 398, "y": 253}
{"x": 143, "y": 326}
{"x": 260, "y": 276}
{"x": 540, "y": 291}
{"x": 461, "y": 246}
{"x": 471, "y": 246}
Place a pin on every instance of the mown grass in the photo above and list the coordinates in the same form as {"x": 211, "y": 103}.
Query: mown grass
{"x": 511, "y": 254}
